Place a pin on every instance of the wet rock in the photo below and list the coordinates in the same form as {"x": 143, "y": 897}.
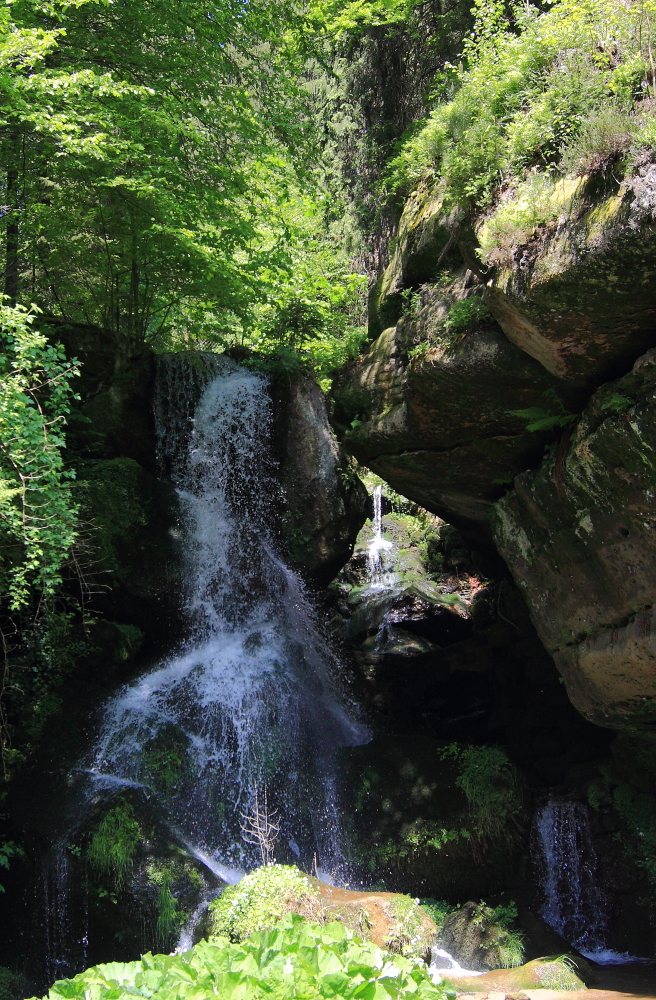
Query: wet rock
{"x": 325, "y": 504}
{"x": 480, "y": 939}
{"x": 578, "y": 535}
{"x": 557, "y": 972}
{"x": 417, "y": 602}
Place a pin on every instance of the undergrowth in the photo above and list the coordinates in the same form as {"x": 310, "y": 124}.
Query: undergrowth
{"x": 114, "y": 843}
{"x": 297, "y": 959}
{"x": 569, "y": 87}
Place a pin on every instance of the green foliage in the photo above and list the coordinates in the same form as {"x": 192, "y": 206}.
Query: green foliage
{"x": 409, "y": 937}
{"x": 169, "y": 917}
{"x": 489, "y": 780}
{"x": 542, "y": 419}
{"x": 618, "y": 403}
{"x": 12, "y": 985}
{"x": 437, "y": 910}
{"x": 296, "y": 959}
{"x": 37, "y": 515}
{"x": 502, "y": 937}
{"x": 115, "y": 842}
{"x": 466, "y": 315}
{"x": 137, "y": 167}
{"x": 571, "y": 77}
{"x": 259, "y": 900}
{"x": 8, "y": 849}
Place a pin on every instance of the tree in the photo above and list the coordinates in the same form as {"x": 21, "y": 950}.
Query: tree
{"x": 141, "y": 142}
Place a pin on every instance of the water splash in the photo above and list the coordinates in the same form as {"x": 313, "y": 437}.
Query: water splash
{"x": 252, "y": 697}
{"x": 442, "y": 965}
{"x": 574, "y": 903}
{"x": 380, "y": 578}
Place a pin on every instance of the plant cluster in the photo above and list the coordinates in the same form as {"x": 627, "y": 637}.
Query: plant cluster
{"x": 115, "y": 842}
{"x": 260, "y": 899}
{"x": 501, "y": 937}
{"x": 490, "y": 783}
{"x": 571, "y": 85}
{"x": 296, "y": 959}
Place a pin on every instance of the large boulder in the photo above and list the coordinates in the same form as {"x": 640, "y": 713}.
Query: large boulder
{"x": 436, "y": 425}
{"x": 578, "y": 535}
{"x": 264, "y": 896}
{"x": 423, "y": 246}
{"x": 325, "y": 504}
{"x": 581, "y": 298}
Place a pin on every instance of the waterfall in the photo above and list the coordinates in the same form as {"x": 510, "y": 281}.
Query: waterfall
{"x": 251, "y": 699}
{"x": 574, "y": 903}
{"x": 379, "y": 579}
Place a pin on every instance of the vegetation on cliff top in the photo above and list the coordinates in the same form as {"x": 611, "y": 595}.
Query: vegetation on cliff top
{"x": 572, "y": 85}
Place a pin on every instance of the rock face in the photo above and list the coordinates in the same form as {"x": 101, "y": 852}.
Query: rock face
{"x": 437, "y": 426}
{"x": 578, "y": 535}
{"x": 325, "y": 502}
{"x": 583, "y": 300}
{"x": 434, "y": 408}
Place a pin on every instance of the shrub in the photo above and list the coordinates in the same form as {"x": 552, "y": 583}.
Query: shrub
{"x": 297, "y": 959}
{"x": 260, "y": 900}
{"x": 569, "y": 78}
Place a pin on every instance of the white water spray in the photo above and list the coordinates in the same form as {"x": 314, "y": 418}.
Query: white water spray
{"x": 251, "y": 699}
{"x": 379, "y": 577}
{"x": 574, "y": 904}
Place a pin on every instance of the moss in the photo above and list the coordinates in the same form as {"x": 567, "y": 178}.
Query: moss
{"x": 115, "y": 842}
{"x": 261, "y": 899}
{"x": 437, "y": 910}
{"x": 166, "y": 758}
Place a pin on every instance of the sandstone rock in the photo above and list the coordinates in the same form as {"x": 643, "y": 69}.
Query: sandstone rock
{"x": 557, "y": 972}
{"x": 580, "y": 538}
{"x": 325, "y": 502}
{"x": 423, "y": 247}
{"x": 581, "y": 299}
{"x": 437, "y": 427}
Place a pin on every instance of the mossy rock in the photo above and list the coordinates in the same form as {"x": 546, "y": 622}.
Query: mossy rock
{"x": 266, "y": 895}
{"x": 557, "y": 972}
{"x": 578, "y": 538}
{"x": 482, "y": 938}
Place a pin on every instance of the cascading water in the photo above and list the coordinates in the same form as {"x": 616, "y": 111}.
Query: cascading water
{"x": 574, "y": 904}
{"x": 251, "y": 699}
{"x": 379, "y": 576}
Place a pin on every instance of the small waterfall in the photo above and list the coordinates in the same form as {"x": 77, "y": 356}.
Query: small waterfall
{"x": 251, "y": 698}
{"x": 379, "y": 576}
{"x": 574, "y": 903}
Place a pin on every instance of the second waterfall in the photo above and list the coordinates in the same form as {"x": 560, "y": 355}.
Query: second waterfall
{"x": 251, "y": 698}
